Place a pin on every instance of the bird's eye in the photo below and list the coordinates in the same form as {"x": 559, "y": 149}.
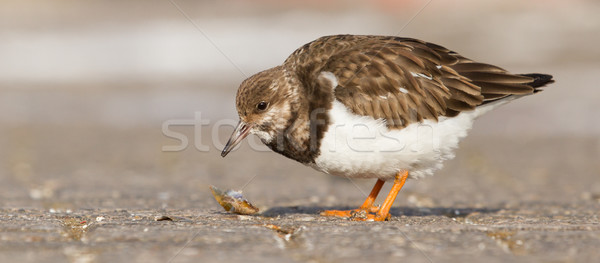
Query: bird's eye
{"x": 261, "y": 106}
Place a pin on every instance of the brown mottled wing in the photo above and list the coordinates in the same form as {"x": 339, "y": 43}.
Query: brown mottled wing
{"x": 406, "y": 80}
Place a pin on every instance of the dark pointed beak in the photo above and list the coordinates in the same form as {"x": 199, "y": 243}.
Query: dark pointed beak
{"x": 241, "y": 131}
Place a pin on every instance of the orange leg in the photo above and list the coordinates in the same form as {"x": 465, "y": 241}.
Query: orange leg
{"x": 368, "y": 204}
{"x": 383, "y": 213}
{"x": 366, "y": 207}
{"x": 364, "y": 212}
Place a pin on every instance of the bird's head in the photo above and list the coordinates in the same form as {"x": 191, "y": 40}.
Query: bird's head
{"x": 265, "y": 103}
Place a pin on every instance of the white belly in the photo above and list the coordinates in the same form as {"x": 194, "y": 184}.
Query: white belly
{"x": 360, "y": 146}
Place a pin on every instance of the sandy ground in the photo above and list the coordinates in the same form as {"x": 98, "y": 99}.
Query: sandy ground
{"x": 85, "y": 175}
{"x": 489, "y": 203}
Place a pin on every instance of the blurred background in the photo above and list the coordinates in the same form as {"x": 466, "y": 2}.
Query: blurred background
{"x": 86, "y": 87}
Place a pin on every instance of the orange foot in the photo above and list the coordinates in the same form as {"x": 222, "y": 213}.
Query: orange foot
{"x": 358, "y": 214}
{"x": 350, "y": 213}
{"x": 369, "y": 217}
{"x": 366, "y": 208}
{"x": 368, "y": 212}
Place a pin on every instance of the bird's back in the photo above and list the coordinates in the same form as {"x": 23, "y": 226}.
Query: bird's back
{"x": 404, "y": 80}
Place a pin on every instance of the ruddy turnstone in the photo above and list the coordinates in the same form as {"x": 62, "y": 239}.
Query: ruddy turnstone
{"x": 372, "y": 107}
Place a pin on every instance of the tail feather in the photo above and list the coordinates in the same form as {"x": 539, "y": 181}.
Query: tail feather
{"x": 539, "y": 80}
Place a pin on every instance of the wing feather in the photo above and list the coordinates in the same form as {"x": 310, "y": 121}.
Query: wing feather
{"x": 403, "y": 80}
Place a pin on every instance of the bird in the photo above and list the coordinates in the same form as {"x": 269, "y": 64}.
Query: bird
{"x": 365, "y": 106}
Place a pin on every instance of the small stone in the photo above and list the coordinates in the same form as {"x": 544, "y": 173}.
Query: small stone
{"x": 163, "y": 218}
{"x": 244, "y": 217}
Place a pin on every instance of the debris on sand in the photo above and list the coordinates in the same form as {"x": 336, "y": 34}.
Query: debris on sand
{"x": 233, "y": 201}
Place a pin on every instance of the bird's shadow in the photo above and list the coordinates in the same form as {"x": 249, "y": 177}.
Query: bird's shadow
{"x": 452, "y": 212}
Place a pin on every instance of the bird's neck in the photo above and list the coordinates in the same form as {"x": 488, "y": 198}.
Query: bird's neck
{"x": 300, "y": 140}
